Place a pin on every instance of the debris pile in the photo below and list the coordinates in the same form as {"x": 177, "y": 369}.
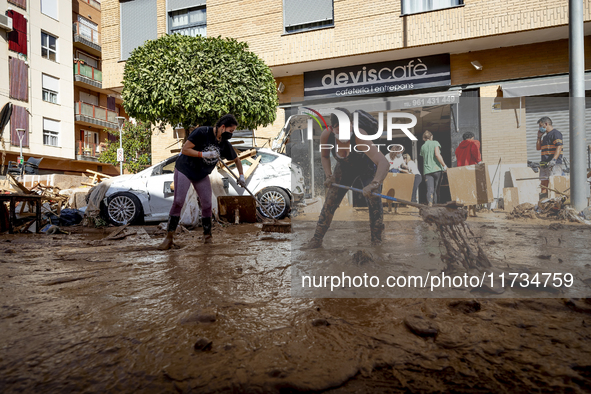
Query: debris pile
{"x": 462, "y": 248}
{"x": 549, "y": 208}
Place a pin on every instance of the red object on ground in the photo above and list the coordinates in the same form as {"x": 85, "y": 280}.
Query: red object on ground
{"x": 468, "y": 153}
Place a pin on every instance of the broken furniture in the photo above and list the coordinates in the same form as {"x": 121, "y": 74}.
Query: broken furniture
{"x": 31, "y": 167}
{"x": 32, "y": 199}
{"x": 96, "y": 178}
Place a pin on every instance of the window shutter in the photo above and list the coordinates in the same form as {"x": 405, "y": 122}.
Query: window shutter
{"x": 49, "y": 8}
{"x": 138, "y": 24}
{"x": 19, "y": 79}
{"x": 174, "y": 5}
{"x": 302, "y": 12}
{"x": 50, "y": 83}
{"x": 19, "y": 3}
{"x": 17, "y": 38}
{"x": 19, "y": 120}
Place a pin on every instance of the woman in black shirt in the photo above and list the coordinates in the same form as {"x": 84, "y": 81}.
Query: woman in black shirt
{"x": 196, "y": 161}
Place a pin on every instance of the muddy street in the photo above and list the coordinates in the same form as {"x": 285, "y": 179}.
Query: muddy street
{"x": 80, "y": 313}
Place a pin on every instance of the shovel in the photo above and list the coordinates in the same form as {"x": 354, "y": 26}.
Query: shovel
{"x": 276, "y": 226}
{"x": 412, "y": 204}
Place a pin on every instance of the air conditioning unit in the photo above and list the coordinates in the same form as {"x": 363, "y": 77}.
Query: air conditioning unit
{"x": 5, "y": 22}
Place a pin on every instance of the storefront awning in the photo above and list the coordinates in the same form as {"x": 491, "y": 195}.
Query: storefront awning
{"x": 540, "y": 86}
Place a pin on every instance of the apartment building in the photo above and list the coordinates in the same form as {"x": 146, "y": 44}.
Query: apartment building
{"x": 511, "y": 54}
{"x": 95, "y": 107}
{"x": 46, "y": 71}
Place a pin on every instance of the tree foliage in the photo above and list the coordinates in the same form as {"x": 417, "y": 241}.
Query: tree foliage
{"x": 192, "y": 81}
{"x": 137, "y": 147}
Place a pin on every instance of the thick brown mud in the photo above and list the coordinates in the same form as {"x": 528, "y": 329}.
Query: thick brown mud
{"x": 81, "y": 314}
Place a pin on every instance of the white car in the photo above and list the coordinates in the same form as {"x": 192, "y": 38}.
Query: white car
{"x": 147, "y": 195}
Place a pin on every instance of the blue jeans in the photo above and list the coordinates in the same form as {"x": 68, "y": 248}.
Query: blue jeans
{"x": 433, "y": 184}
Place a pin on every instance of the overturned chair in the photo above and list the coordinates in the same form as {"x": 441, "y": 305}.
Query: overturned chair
{"x": 31, "y": 167}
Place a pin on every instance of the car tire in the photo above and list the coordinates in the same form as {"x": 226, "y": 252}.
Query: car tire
{"x": 123, "y": 208}
{"x": 276, "y": 200}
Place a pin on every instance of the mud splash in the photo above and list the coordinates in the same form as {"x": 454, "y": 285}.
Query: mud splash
{"x": 462, "y": 248}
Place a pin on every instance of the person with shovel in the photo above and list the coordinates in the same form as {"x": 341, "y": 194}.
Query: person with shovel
{"x": 197, "y": 159}
{"x": 367, "y": 164}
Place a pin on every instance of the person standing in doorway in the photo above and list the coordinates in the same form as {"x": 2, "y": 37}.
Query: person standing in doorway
{"x": 467, "y": 154}
{"x": 550, "y": 143}
{"x": 433, "y": 166}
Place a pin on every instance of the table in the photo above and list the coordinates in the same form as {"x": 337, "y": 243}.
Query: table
{"x": 13, "y": 199}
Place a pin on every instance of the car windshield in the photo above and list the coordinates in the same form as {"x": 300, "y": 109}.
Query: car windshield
{"x": 266, "y": 158}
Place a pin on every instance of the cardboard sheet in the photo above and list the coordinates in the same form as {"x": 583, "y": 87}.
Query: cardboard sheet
{"x": 558, "y": 183}
{"x": 470, "y": 185}
{"x": 398, "y": 186}
{"x": 510, "y": 198}
{"x": 528, "y": 185}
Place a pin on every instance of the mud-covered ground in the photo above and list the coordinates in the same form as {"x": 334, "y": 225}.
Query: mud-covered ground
{"x": 78, "y": 313}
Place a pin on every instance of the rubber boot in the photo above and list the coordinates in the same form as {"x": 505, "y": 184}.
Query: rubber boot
{"x": 207, "y": 238}
{"x": 173, "y": 222}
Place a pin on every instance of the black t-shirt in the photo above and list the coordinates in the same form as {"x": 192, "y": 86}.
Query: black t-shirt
{"x": 550, "y": 142}
{"x": 197, "y": 168}
{"x": 357, "y": 161}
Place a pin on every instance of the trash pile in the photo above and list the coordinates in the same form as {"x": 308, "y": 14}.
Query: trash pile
{"x": 549, "y": 208}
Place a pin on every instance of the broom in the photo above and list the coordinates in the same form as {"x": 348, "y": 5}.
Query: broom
{"x": 269, "y": 227}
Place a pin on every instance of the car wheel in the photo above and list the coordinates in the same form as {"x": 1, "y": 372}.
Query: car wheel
{"x": 123, "y": 208}
{"x": 276, "y": 201}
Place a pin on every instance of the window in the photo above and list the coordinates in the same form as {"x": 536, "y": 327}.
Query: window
{"x": 88, "y": 29}
{"x": 416, "y": 6}
{"x": 266, "y": 157}
{"x": 48, "y": 46}
{"x": 87, "y": 59}
{"x": 49, "y": 8}
{"x": 50, "y": 88}
{"x": 91, "y": 143}
{"x": 51, "y": 131}
{"x": 190, "y": 22}
{"x": 89, "y": 98}
{"x": 138, "y": 23}
{"x": 302, "y": 15}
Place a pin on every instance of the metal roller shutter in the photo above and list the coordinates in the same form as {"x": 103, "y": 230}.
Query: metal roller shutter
{"x": 557, "y": 109}
{"x": 138, "y": 24}
{"x": 301, "y": 12}
{"x": 173, "y": 5}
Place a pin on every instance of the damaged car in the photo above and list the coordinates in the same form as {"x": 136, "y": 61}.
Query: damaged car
{"x": 147, "y": 196}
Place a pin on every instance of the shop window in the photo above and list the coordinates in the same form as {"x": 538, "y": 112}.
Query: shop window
{"x": 138, "y": 24}
{"x": 51, "y": 132}
{"x": 303, "y": 15}
{"x": 416, "y": 6}
{"x": 51, "y": 87}
{"x": 49, "y": 8}
{"x": 48, "y": 46}
{"x": 190, "y": 22}
{"x": 19, "y": 79}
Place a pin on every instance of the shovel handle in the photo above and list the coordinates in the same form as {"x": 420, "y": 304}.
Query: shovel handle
{"x": 412, "y": 204}
{"x": 249, "y": 192}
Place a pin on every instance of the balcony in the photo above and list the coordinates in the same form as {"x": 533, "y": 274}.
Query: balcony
{"x": 89, "y": 152}
{"x": 87, "y": 75}
{"x": 92, "y": 3}
{"x": 87, "y": 39}
{"x": 92, "y": 115}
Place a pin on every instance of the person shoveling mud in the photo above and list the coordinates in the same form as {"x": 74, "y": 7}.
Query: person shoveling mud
{"x": 197, "y": 160}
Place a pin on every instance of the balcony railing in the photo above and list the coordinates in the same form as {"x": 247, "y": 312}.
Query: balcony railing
{"x": 94, "y": 3}
{"x": 96, "y": 112}
{"x": 87, "y": 33}
{"x": 87, "y": 71}
{"x": 91, "y": 150}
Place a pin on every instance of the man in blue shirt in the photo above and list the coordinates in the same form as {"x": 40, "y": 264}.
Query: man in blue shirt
{"x": 550, "y": 143}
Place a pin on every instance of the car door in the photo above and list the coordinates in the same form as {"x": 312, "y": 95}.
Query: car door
{"x": 159, "y": 189}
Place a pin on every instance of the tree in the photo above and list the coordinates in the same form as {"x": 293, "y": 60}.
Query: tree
{"x": 136, "y": 145}
{"x": 191, "y": 81}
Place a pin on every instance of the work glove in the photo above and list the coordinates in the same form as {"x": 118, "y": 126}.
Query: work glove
{"x": 329, "y": 181}
{"x": 212, "y": 154}
{"x": 552, "y": 163}
{"x": 369, "y": 189}
{"x": 242, "y": 181}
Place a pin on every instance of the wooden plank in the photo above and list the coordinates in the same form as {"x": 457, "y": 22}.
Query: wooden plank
{"x": 510, "y": 198}
{"x": 99, "y": 174}
{"x": 19, "y": 186}
{"x": 470, "y": 185}
{"x": 252, "y": 167}
{"x": 242, "y": 156}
